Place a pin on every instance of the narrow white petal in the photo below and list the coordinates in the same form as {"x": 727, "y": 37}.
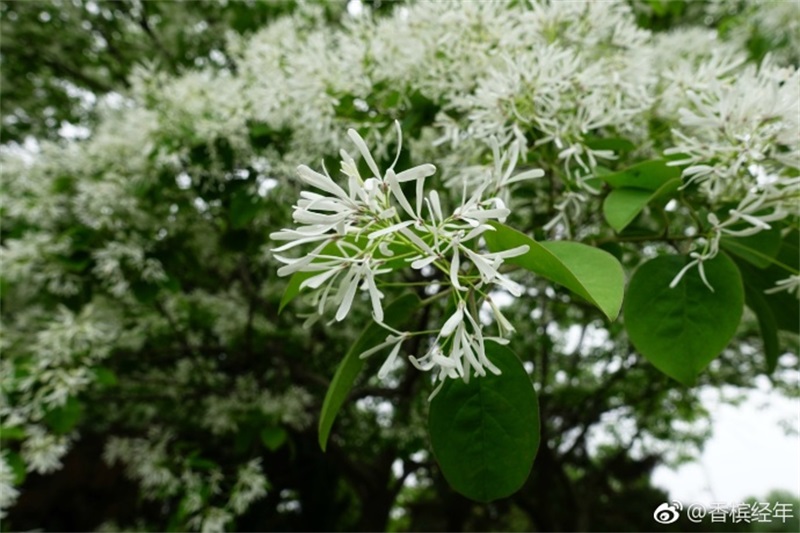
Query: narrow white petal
{"x": 466, "y": 349}
{"x": 486, "y": 270}
{"x": 679, "y": 276}
{"x": 391, "y": 229}
{"x": 390, "y": 339}
{"x": 751, "y": 219}
{"x": 349, "y": 286}
{"x": 485, "y": 214}
{"x": 315, "y": 282}
{"x": 416, "y": 240}
{"x": 416, "y": 173}
{"x": 315, "y": 179}
{"x": 454, "y": 266}
{"x": 420, "y": 192}
{"x": 397, "y": 191}
{"x": 703, "y": 276}
{"x": 422, "y": 263}
{"x": 389, "y": 363}
{"x": 298, "y": 242}
{"x": 437, "y": 205}
{"x": 500, "y": 318}
{"x": 508, "y": 284}
{"x": 443, "y": 361}
{"x": 383, "y": 247}
{"x": 362, "y": 147}
{"x": 474, "y": 232}
{"x": 421, "y": 364}
{"x": 436, "y": 390}
{"x": 454, "y": 320}
{"x": 527, "y": 175}
{"x": 513, "y": 252}
{"x": 375, "y": 296}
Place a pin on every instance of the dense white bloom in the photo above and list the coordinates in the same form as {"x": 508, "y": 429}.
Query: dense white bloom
{"x": 251, "y": 485}
{"x": 417, "y": 232}
{"x": 512, "y": 84}
{"x": 43, "y": 451}
{"x": 8, "y": 494}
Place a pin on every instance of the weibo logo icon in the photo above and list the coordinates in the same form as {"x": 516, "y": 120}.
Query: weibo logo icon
{"x": 667, "y": 513}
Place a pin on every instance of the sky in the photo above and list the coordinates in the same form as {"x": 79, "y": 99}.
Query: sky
{"x": 749, "y": 453}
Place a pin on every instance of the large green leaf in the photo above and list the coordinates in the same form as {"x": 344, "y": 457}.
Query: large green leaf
{"x": 622, "y": 205}
{"x": 649, "y": 175}
{"x": 767, "y": 325}
{"x": 396, "y": 315}
{"x": 589, "y": 272}
{"x": 759, "y": 249}
{"x": 782, "y": 304}
{"x": 485, "y": 433}
{"x": 680, "y": 330}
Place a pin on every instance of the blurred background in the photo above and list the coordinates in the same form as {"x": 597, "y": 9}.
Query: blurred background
{"x": 203, "y": 408}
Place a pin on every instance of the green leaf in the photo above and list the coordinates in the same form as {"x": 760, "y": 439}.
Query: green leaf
{"x": 767, "y": 325}
{"x": 589, "y": 272}
{"x": 396, "y": 315}
{"x": 12, "y": 433}
{"x": 782, "y": 304}
{"x": 273, "y": 437}
{"x": 105, "y": 376}
{"x": 485, "y": 433}
{"x": 681, "y": 330}
{"x": 244, "y": 208}
{"x": 616, "y": 144}
{"x": 64, "y": 418}
{"x": 622, "y": 205}
{"x": 14, "y": 460}
{"x": 650, "y": 175}
{"x": 759, "y": 249}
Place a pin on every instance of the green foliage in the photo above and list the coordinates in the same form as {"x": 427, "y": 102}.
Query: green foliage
{"x": 589, "y": 272}
{"x": 273, "y": 437}
{"x": 485, "y": 433}
{"x": 767, "y": 324}
{"x": 759, "y": 249}
{"x": 681, "y": 329}
{"x": 48, "y": 82}
{"x": 153, "y": 382}
{"x": 623, "y": 204}
{"x": 396, "y": 315}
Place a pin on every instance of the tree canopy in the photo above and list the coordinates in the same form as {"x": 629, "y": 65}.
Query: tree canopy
{"x": 386, "y": 266}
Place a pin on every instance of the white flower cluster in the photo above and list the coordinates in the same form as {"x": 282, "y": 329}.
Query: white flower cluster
{"x": 42, "y": 370}
{"x": 8, "y": 494}
{"x": 361, "y": 233}
{"x": 222, "y": 413}
{"x": 493, "y": 79}
{"x": 150, "y": 461}
{"x": 739, "y": 138}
